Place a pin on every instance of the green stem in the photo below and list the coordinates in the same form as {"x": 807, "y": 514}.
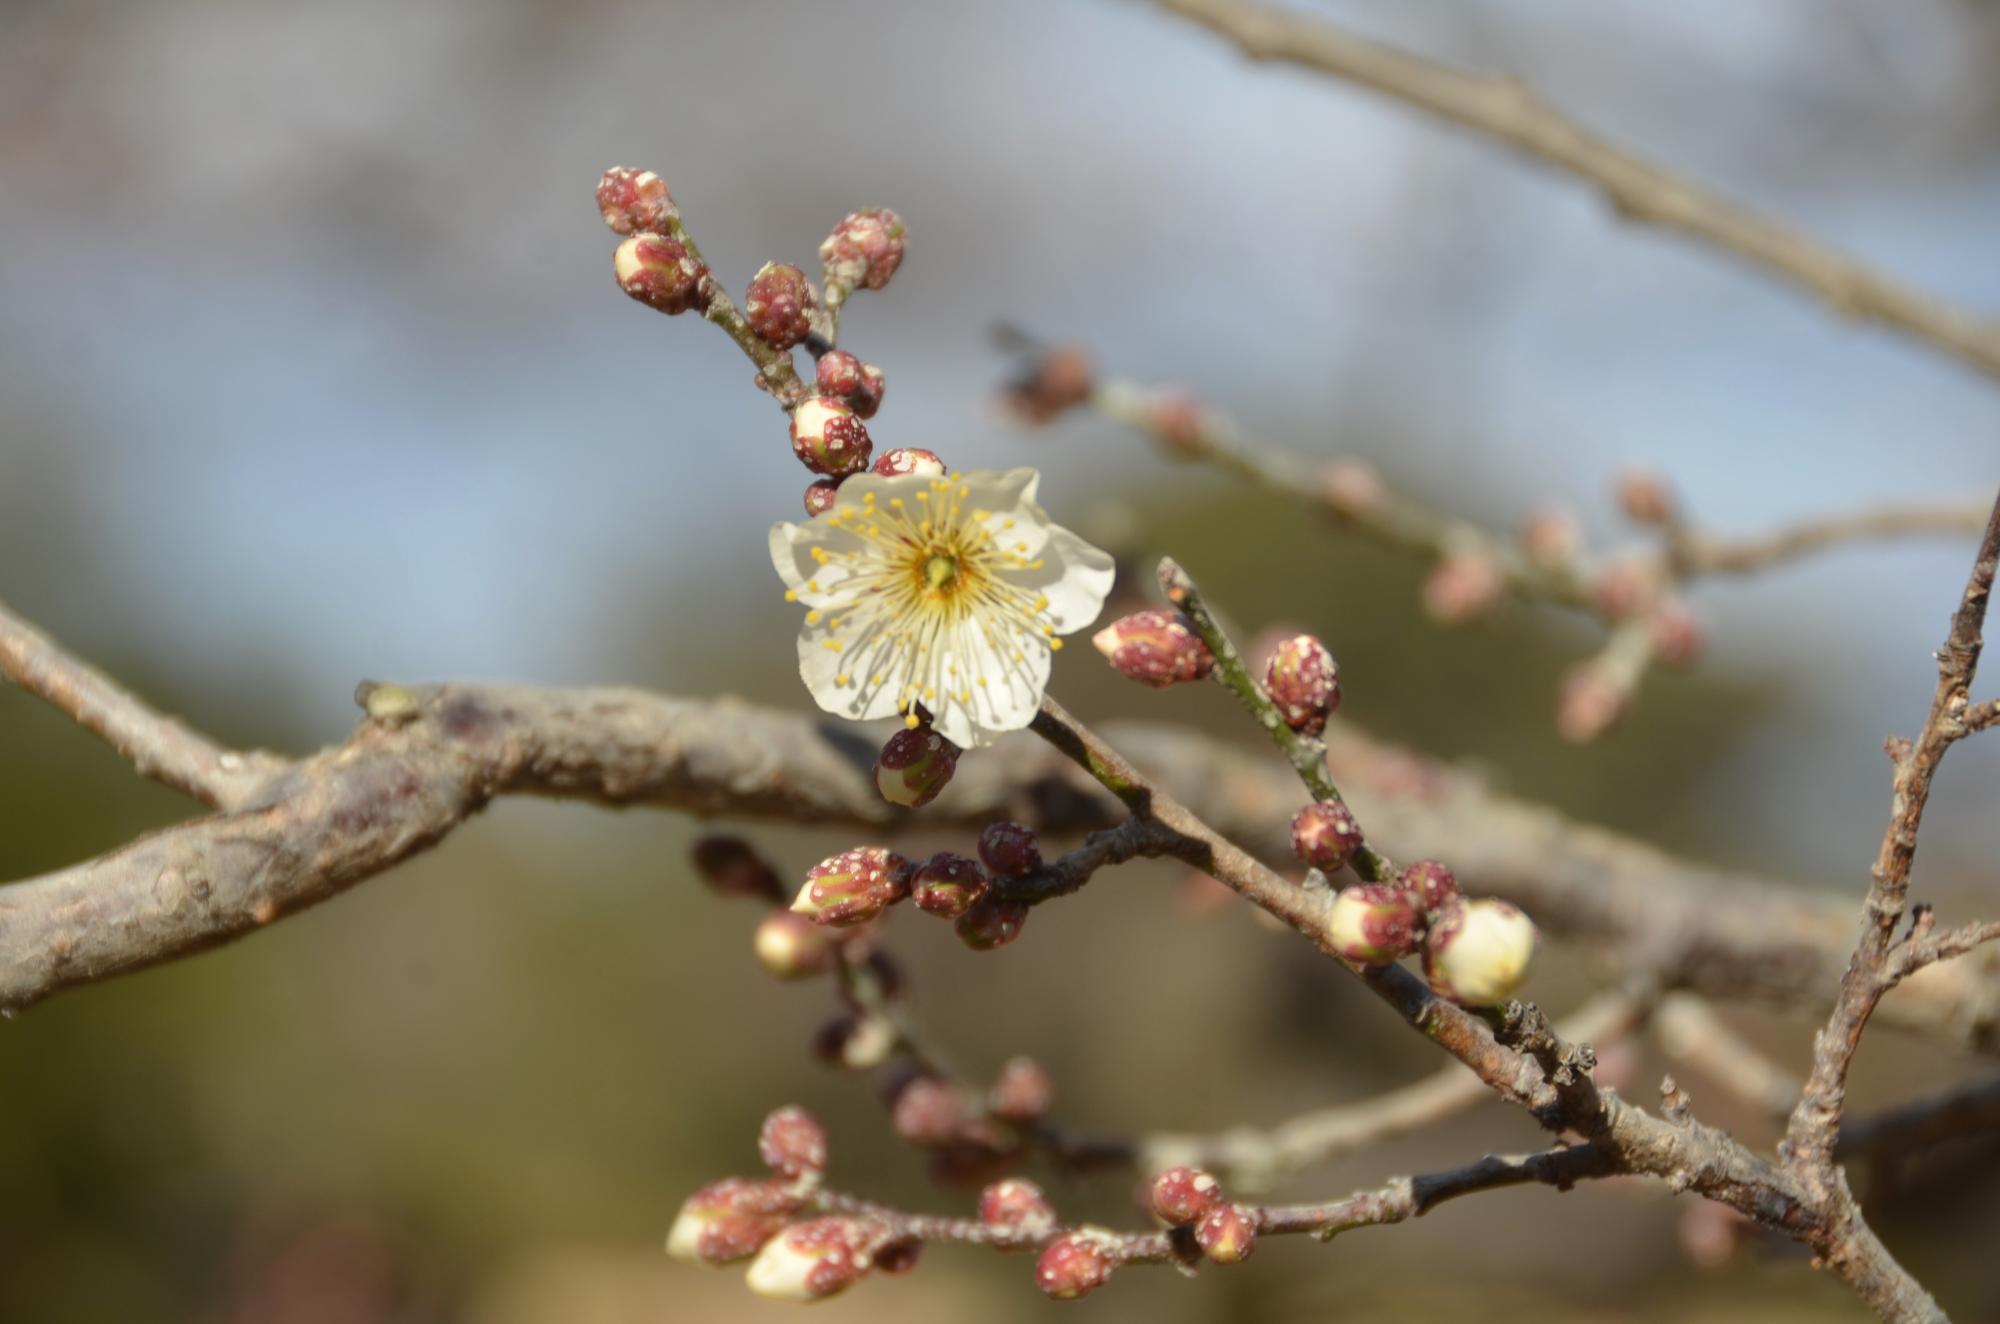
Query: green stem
{"x": 1307, "y": 754}
{"x": 774, "y": 366}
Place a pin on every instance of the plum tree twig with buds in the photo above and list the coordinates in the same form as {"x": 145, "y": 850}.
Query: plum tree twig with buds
{"x": 939, "y": 598}
{"x": 1636, "y": 594}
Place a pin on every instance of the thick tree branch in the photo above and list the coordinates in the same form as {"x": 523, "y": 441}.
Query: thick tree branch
{"x": 1504, "y": 110}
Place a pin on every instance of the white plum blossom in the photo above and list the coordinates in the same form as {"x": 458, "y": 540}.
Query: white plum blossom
{"x": 949, "y": 592}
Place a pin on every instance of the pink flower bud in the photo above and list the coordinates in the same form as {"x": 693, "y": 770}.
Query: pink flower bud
{"x": 1678, "y": 638}
{"x": 853, "y": 887}
{"x": 793, "y": 1143}
{"x": 855, "y": 1043}
{"x": 1351, "y": 488}
{"x": 812, "y": 1260}
{"x": 1227, "y": 1235}
{"x": 838, "y": 374}
{"x": 1590, "y": 702}
{"x": 1646, "y": 498}
{"x": 821, "y": 493}
{"x": 914, "y": 765}
{"x": 1373, "y": 924}
{"x": 1074, "y": 1265}
{"x": 1625, "y": 588}
{"x": 1017, "y": 1206}
{"x": 1021, "y": 1093}
{"x": 634, "y": 200}
{"x": 778, "y": 303}
{"x": 1155, "y": 648}
{"x": 728, "y": 1220}
{"x": 1051, "y": 385}
{"x": 1478, "y": 952}
{"x": 659, "y": 272}
{"x": 791, "y": 946}
{"x": 929, "y": 1111}
{"x": 829, "y": 439}
{"x": 991, "y": 922}
{"x": 947, "y": 884}
{"x": 1325, "y": 835}
{"x": 1431, "y": 884}
{"x": 1304, "y": 682}
{"x": 1181, "y": 1197}
{"x": 1179, "y": 423}
{"x": 732, "y": 866}
{"x": 1551, "y": 538}
{"x": 1010, "y": 850}
{"x": 1463, "y": 586}
{"x": 864, "y": 250}
{"x": 906, "y": 460}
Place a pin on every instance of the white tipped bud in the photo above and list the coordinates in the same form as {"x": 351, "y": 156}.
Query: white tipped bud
{"x": 814, "y": 1259}
{"x": 1479, "y": 951}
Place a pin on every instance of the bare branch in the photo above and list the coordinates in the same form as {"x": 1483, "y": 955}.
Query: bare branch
{"x": 1504, "y": 110}
{"x": 1693, "y": 1035}
{"x": 1714, "y": 554}
{"x": 1877, "y": 965}
{"x": 156, "y": 746}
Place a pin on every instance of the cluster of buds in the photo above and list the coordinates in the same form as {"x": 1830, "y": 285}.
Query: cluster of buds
{"x": 971, "y": 1133}
{"x": 857, "y": 885}
{"x": 1476, "y": 951}
{"x": 1304, "y": 682}
{"x": 1155, "y": 648}
{"x": 652, "y": 265}
{"x": 1188, "y": 1198}
{"x": 738, "y": 1217}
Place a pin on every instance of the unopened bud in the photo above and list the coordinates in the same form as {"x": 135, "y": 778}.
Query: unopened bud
{"x": 906, "y": 460}
{"x": 791, "y": 946}
{"x": 1352, "y": 489}
{"x": 1589, "y": 703}
{"x": 1075, "y": 1265}
{"x": 1678, "y": 638}
{"x": 1179, "y": 423}
{"x": 1431, "y": 884}
{"x": 915, "y": 764}
{"x": 1478, "y": 952}
{"x": 947, "y": 884}
{"x": 1049, "y": 386}
{"x": 1646, "y": 498}
{"x": 821, "y": 493}
{"x": 730, "y": 1219}
{"x": 1017, "y": 1206}
{"x": 1182, "y": 1197}
{"x": 659, "y": 272}
{"x": 1009, "y": 849}
{"x": 793, "y": 1143}
{"x": 1021, "y": 1093}
{"x": 1227, "y": 1235}
{"x": 1551, "y": 538}
{"x": 1325, "y": 835}
{"x": 1625, "y": 588}
{"x": 1304, "y": 682}
{"x": 856, "y": 1043}
{"x": 1155, "y": 648}
{"x": 929, "y": 1111}
{"x": 1463, "y": 586}
{"x": 864, "y": 250}
{"x": 634, "y": 200}
{"x": 837, "y": 373}
{"x": 778, "y": 304}
{"x": 732, "y": 866}
{"x": 991, "y": 922}
{"x": 853, "y": 887}
{"x": 829, "y": 439}
{"x": 1373, "y": 924}
{"x": 812, "y": 1260}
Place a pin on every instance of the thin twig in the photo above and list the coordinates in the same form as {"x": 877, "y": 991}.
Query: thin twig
{"x": 1508, "y": 112}
{"x": 1692, "y": 1035}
